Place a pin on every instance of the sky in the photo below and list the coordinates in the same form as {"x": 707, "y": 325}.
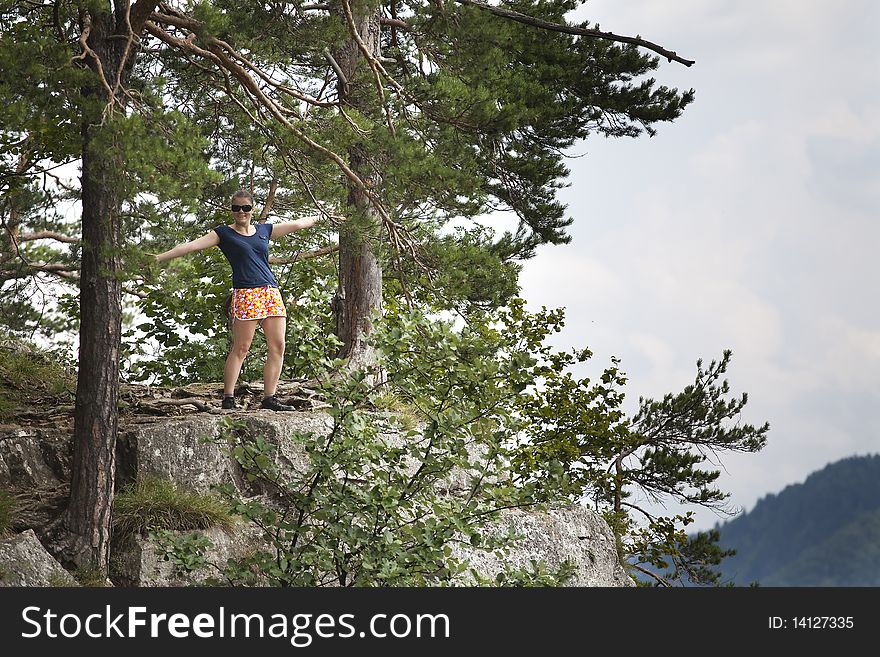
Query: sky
{"x": 748, "y": 224}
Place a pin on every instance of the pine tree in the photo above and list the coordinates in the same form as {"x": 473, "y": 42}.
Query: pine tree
{"x": 397, "y": 117}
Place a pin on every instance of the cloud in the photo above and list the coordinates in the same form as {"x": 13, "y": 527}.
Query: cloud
{"x": 749, "y": 224}
{"x": 845, "y": 355}
{"x": 845, "y": 172}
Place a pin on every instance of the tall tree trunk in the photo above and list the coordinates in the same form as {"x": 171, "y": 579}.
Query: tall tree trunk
{"x": 359, "y": 296}
{"x": 87, "y": 519}
{"x": 97, "y": 389}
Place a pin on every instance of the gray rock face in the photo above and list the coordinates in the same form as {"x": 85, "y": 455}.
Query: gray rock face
{"x": 181, "y": 449}
{"x": 35, "y": 467}
{"x": 571, "y": 533}
{"x": 34, "y": 457}
{"x": 24, "y": 562}
{"x": 139, "y": 561}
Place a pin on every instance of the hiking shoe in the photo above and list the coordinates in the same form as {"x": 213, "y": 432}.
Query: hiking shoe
{"x": 274, "y": 405}
{"x": 228, "y": 403}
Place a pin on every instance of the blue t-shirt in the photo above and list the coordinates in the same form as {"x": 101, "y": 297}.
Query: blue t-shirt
{"x": 248, "y": 256}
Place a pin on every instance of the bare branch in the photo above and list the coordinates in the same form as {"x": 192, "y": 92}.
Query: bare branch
{"x": 48, "y": 235}
{"x": 132, "y": 36}
{"x": 354, "y": 126}
{"x": 30, "y": 269}
{"x": 135, "y": 293}
{"x": 293, "y": 163}
{"x": 183, "y": 44}
{"x": 88, "y": 52}
{"x": 640, "y": 510}
{"x": 270, "y": 200}
{"x": 228, "y": 84}
{"x": 571, "y": 29}
{"x": 62, "y": 184}
{"x": 655, "y": 576}
{"x": 374, "y": 63}
{"x": 194, "y": 26}
{"x": 396, "y": 22}
{"x": 334, "y": 65}
{"x": 266, "y": 78}
{"x": 176, "y": 20}
{"x": 52, "y": 268}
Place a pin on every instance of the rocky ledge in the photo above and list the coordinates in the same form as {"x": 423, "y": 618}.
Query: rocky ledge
{"x": 35, "y": 467}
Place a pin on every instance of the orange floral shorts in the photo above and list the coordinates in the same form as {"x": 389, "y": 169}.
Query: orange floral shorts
{"x": 257, "y": 303}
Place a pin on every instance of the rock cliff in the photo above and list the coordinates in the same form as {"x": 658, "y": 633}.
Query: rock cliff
{"x": 35, "y": 468}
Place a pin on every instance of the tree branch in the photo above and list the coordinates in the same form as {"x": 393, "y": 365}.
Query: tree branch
{"x": 31, "y": 268}
{"x": 270, "y": 200}
{"x": 131, "y": 35}
{"x": 374, "y": 64}
{"x": 294, "y": 164}
{"x": 194, "y": 27}
{"x": 225, "y": 58}
{"x": 396, "y": 22}
{"x": 52, "y": 268}
{"x": 177, "y": 21}
{"x": 296, "y": 93}
{"x": 88, "y": 52}
{"x": 655, "y": 576}
{"x": 47, "y": 235}
{"x": 140, "y": 13}
{"x": 305, "y": 256}
{"x": 334, "y": 65}
{"x": 579, "y": 31}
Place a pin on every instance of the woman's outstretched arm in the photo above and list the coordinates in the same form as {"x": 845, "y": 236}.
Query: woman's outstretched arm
{"x": 205, "y": 241}
{"x": 283, "y": 228}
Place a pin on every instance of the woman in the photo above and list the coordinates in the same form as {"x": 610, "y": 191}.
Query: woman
{"x": 255, "y": 295}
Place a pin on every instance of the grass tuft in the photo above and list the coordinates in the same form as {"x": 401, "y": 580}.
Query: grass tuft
{"x": 403, "y": 413}
{"x": 7, "y": 509}
{"x": 29, "y": 374}
{"x": 89, "y": 576}
{"x": 154, "y": 503}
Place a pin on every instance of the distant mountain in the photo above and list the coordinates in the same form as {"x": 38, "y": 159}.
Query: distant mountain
{"x": 823, "y": 532}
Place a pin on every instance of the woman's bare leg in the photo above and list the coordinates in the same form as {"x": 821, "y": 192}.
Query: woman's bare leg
{"x": 242, "y": 336}
{"x": 274, "y": 328}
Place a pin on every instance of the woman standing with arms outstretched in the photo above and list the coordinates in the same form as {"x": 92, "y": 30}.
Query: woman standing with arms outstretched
{"x": 256, "y": 299}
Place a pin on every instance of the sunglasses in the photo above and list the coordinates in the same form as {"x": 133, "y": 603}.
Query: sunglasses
{"x": 242, "y": 208}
